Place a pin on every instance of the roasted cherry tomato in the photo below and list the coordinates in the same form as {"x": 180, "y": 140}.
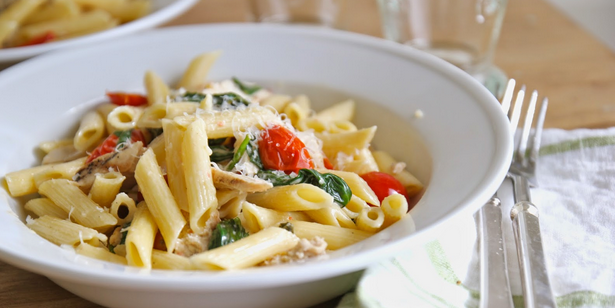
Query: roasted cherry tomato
{"x": 384, "y": 184}
{"x": 281, "y": 149}
{"x": 111, "y": 143}
{"x": 41, "y": 39}
{"x": 130, "y": 99}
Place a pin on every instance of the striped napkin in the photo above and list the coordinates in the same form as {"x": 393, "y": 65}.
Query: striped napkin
{"x": 576, "y": 199}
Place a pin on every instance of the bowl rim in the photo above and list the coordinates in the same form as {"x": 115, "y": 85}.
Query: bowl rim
{"x": 158, "y": 17}
{"x": 245, "y": 279}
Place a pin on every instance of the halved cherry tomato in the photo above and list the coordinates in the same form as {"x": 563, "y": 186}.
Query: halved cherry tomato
{"x": 110, "y": 144}
{"x": 384, "y": 184}
{"x": 130, "y": 99}
{"x": 44, "y": 38}
{"x": 281, "y": 149}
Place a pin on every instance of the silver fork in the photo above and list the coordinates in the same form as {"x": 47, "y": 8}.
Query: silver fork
{"x": 494, "y": 283}
{"x": 524, "y": 214}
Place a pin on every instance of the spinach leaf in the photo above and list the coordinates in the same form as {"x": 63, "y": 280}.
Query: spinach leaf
{"x": 229, "y": 99}
{"x": 193, "y": 97}
{"x": 331, "y": 183}
{"x": 252, "y": 151}
{"x": 220, "y": 153}
{"x": 287, "y": 226}
{"x": 246, "y": 88}
{"x": 239, "y": 153}
{"x": 219, "y": 141}
{"x": 226, "y": 232}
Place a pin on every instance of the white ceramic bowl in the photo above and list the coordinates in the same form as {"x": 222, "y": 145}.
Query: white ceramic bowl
{"x": 162, "y": 11}
{"x": 460, "y": 148}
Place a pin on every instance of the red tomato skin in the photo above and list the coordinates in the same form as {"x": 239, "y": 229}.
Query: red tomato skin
{"x": 281, "y": 149}
{"x": 44, "y": 38}
{"x": 384, "y": 184}
{"x": 110, "y": 144}
{"x": 127, "y": 99}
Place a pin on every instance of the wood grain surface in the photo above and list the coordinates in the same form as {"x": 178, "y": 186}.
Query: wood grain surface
{"x": 539, "y": 46}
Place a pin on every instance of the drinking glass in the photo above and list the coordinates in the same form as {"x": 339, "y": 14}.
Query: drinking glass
{"x": 462, "y": 32}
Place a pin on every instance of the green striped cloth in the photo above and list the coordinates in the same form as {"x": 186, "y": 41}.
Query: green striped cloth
{"x": 576, "y": 199}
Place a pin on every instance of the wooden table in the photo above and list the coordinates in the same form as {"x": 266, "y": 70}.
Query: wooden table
{"x": 539, "y": 47}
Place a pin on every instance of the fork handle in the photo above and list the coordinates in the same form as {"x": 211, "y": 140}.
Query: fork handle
{"x": 534, "y": 279}
{"x": 494, "y": 284}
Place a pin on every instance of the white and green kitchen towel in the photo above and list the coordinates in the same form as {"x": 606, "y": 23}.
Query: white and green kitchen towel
{"x": 576, "y": 200}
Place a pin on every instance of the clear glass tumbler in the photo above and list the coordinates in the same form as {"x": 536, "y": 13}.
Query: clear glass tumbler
{"x": 462, "y": 32}
{"x": 317, "y": 12}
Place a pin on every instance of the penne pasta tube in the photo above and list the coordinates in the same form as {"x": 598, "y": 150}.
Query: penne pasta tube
{"x": 247, "y": 251}
{"x": 159, "y": 199}
{"x": 123, "y": 208}
{"x": 140, "y": 238}
{"x": 19, "y": 10}
{"x": 157, "y": 90}
{"x": 370, "y": 219}
{"x": 256, "y": 218}
{"x": 347, "y": 142}
{"x": 91, "y": 130}
{"x": 277, "y": 101}
{"x": 386, "y": 163}
{"x": 226, "y": 195}
{"x": 63, "y": 27}
{"x": 44, "y": 206}
{"x": 296, "y": 113}
{"x": 99, "y": 253}
{"x": 335, "y": 237}
{"x": 58, "y": 171}
{"x": 343, "y": 111}
{"x": 233, "y": 207}
{"x": 173, "y": 139}
{"x": 152, "y": 115}
{"x": 394, "y": 207}
{"x": 166, "y": 260}
{"x": 53, "y": 10}
{"x": 223, "y": 124}
{"x": 200, "y": 190}
{"x": 61, "y": 231}
{"x": 333, "y": 216}
{"x": 129, "y": 10}
{"x": 157, "y": 145}
{"x": 355, "y": 206}
{"x": 7, "y": 28}
{"x": 298, "y": 197}
{"x": 105, "y": 188}
{"x": 123, "y": 118}
{"x": 195, "y": 75}
{"x": 67, "y": 195}
{"x": 361, "y": 162}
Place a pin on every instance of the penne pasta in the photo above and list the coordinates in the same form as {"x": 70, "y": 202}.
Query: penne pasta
{"x": 157, "y": 90}
{"x": 173, "y": 139}
{"x": 62, "y": 232}
{"x": 357, "y": 185}
{"x": 105, "y": 188}
{"x": 91, "y": 130}
{"x": 224, "y": 124}
{"x": 99, "y": 253}
{"x": 256, "y": 218}
{"x": 123, "y": 208}
{"x": 159, "y": 199}
{"x": 140, "y": 238}
{"x": 370, "y": 219}
{"x": 333, "y": 216}
{"x": 45, "y": 207}
{"x": 169, "y": 261}
{"x": 200, "y": 190}
{"x": 58, "y": 171}
{"x": 299, "y": 197}
{"x": 347, "y": 142}
{"x": 335, "y": 237}
{"x": 343, "y": 111}
{"x": 153, "y": 115}
{"x": 247, "y": 251}
{"x": 18, "y": 11}
{"x": 195, "y": 75}
{"x": 123, "y": 118}
{"x": 67, "y": 195}
{"x": 394, "y": 207}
